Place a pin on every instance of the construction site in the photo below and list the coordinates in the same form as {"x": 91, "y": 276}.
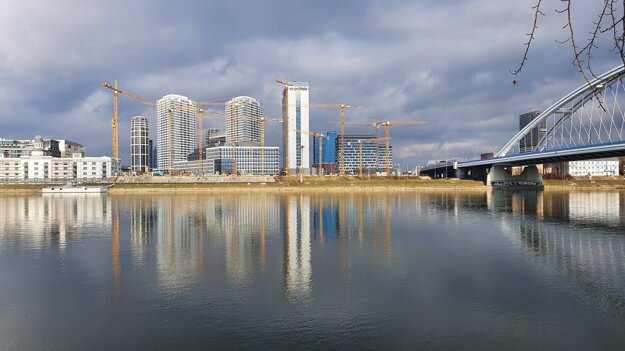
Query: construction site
{"x": 181, "y": 152}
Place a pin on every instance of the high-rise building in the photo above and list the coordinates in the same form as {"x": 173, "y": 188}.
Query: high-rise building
{"x": 295, "y": 107}
{"x": 243, "y": 115}
{"x": 183, "y": 129}
{"x": 370, "y": 153}
{"x": 139, "y": 144}
{"x": 530, "y": 141}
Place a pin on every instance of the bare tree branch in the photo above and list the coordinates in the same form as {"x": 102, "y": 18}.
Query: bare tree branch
{"x": 611, "y": 19}
{"x": 594, "y": 35}
{"x": 537, "y": 12}
{"x": 577, "y": 60}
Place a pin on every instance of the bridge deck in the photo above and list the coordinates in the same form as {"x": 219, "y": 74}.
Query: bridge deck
{"x": 572, "y": 154}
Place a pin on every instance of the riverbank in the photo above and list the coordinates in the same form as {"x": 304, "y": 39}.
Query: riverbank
{"x": 293, "y": 184}
{"x": 326, "y": 184}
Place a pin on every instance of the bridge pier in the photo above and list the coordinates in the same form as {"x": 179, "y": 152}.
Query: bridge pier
{"x": 530, "y": 177}
{"x": 473, "y": 173}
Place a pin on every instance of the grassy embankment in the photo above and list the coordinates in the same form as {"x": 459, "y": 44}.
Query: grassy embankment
{"x": 334, "y": 184}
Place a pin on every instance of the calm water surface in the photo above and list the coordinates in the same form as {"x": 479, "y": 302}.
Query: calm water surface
{"x": 497, "y": 270}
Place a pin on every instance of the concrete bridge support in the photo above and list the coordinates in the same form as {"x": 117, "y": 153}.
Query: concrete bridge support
{"x": 474, "y": 173}
{"x": 530, "y": 177}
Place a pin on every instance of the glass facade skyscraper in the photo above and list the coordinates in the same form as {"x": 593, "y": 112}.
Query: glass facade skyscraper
{"x": 328, "y": 149}
{"x": 295, "y": 107}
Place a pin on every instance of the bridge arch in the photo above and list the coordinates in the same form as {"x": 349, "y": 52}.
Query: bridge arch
{"x": 593, "y": 114}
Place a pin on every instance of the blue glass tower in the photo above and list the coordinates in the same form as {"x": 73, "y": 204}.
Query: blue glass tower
{"x": 328, "y": 149}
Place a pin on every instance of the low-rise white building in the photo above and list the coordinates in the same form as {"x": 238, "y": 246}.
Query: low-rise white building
{"x": 208, "y": 167}
{"x": 248, "y": 160}
{"x": 595, "y": 168}
{"x": 41, "y": 167}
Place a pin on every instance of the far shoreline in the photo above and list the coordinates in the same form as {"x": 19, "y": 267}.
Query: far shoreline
{"x": 323, "y": 185}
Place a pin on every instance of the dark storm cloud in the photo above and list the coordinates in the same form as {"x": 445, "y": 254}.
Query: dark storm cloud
{"x": 446, "y": 62}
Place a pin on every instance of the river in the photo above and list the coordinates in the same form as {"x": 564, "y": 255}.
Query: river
{"x": 406, "y": 270}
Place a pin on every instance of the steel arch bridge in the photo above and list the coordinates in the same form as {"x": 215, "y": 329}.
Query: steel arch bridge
{"x": 592, "y": 114}
{"x": 587, "y": 123}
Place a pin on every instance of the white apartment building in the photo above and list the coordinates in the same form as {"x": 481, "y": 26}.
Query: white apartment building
{"x": 41, "y": 167}
{"x": 182, "y": 127}
{"x": 248, "y": 160}
{"x": 595, "y": 168}
{"x": 243, "y": 124}
{"x": 295, "y": 107}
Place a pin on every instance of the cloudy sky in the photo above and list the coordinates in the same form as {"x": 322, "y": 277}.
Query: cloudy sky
{"x": 442, "y": 61}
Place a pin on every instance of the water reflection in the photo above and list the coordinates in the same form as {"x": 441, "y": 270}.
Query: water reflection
{"x": 189, "y": 238}
{"x": 577, "y": 236}
{"x": 297, "y": 246}
{"x": 176, "y": 232}
{"x": 348, "y": 267}
{"x": 36, "y": 222}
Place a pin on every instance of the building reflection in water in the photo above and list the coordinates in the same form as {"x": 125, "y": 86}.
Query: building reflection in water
{"x": 240, "y": 230}
{"x": 192, "y": 237}
{"x": 245, "y": 221}
{"x": 39, "y": 222}
{"x": 141, "y": 213}
{"x": 179, "y": 242}
{"x": 297, "y": 247}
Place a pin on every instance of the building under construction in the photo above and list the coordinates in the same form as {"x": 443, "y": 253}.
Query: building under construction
{"x": 363, "y": 151}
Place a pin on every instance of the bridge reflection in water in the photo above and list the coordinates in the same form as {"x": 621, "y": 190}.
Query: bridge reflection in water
{"x": 575, "y": 236}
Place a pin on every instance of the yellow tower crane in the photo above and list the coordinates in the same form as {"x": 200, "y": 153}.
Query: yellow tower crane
{"x": 115, "y": 120}
{"x": 342, "y": 108}
{"x": 319, "y": 136}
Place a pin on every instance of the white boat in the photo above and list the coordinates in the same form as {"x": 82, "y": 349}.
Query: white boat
{"x": 73, "y": 189}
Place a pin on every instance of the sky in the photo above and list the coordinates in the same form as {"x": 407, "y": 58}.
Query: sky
{"x": 446, "y": 62}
